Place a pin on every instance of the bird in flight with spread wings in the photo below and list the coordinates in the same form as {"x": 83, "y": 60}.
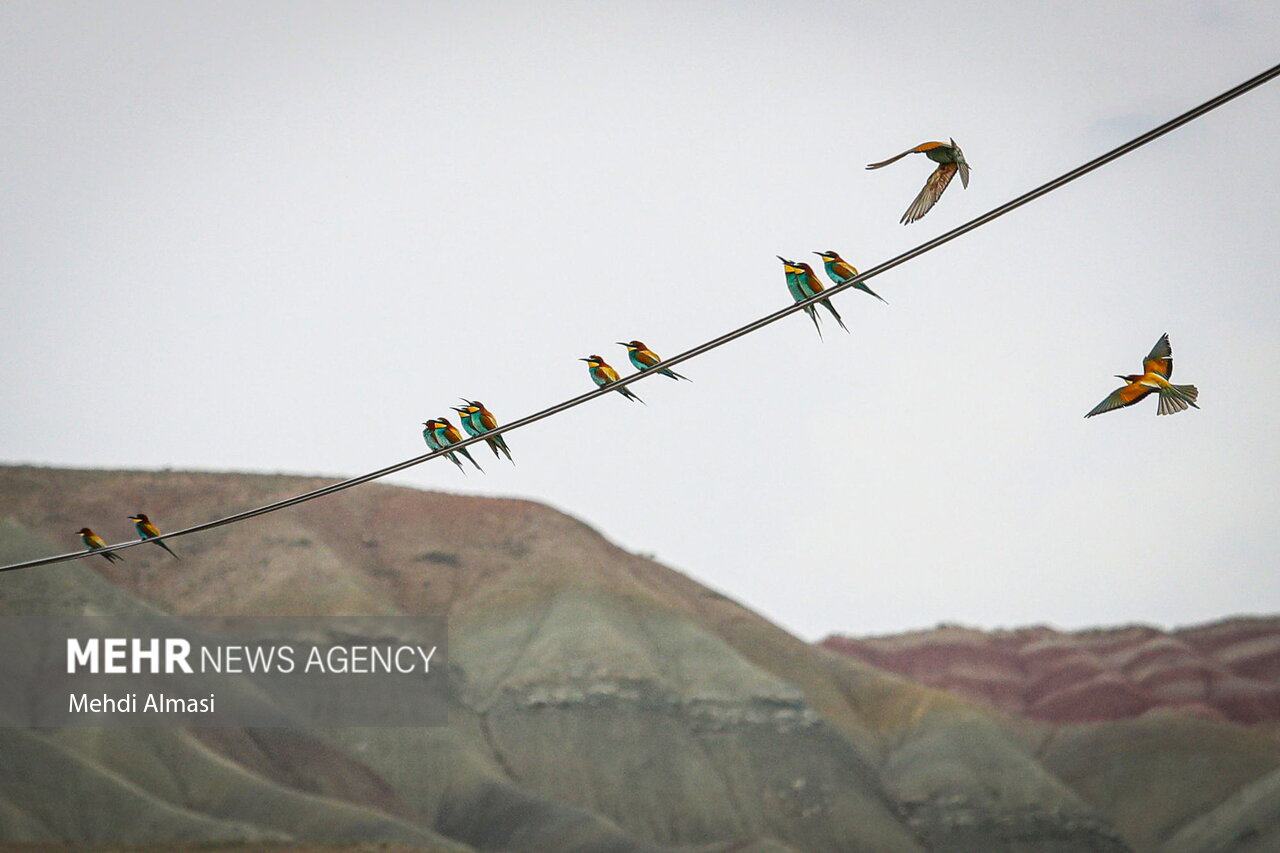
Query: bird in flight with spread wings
{"x": 1157, "y": 367}
{"x": 949, "y": 158}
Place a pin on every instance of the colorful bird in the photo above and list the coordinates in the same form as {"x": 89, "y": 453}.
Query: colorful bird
{"x": 447, "y": 434}
{"x": 94, "y": 542}
{"x": 644, "y": 358}
{"x": 602, "y": 374}
{"x": 1157, "y": 367}
{"x": 811, "y": 285}
{"x": 429, "y": 436}
{"x": 949, "y": 159}
{"x": 147, "y": 530}
{"x": 797, "y": 292}
{"x": 477, "y": 420}
{"x": 839, "y": 271}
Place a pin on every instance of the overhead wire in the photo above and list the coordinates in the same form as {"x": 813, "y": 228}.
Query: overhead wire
{"x": 714, "y": 343}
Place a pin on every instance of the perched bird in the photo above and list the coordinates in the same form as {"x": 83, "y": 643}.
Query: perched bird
{"x": 477, "y": 420}
{"x": 811, "y": 285}
{"x": 94, "y": 542}
{"x": 447, "y": 434}
{"x": 949, "y": 159}
{"x": 147, "y": 530}
{"x": 644, "y": 358}
{"x": 429, "y": 436}
{"x": 794, "y": 272}
{"x": 1157, "y": 367}
{"x": 602, "y": 374}
{"x": 839, "y": 271}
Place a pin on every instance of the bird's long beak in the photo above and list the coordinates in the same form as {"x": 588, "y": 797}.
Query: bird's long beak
{"x": 1118, "y": 376}
{"x": 584, "y": 359}
{"x": 622, "y": 343}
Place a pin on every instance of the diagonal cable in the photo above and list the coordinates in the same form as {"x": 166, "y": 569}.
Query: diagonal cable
{"x": 947, "y": 237}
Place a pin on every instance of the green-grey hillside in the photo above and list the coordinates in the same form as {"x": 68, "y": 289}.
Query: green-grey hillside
{"x": 601, "y": 701}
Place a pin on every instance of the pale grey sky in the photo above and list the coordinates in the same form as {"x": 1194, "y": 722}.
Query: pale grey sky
{"x": 278, "y": 236}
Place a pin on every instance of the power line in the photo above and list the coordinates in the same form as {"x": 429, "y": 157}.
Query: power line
{"x": 947, "y": 237}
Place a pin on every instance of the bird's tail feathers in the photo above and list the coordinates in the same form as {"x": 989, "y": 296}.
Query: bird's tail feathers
{"x": 498, "y": 444}
{"x": 813, "y": 315}
{"x": 1188, "y": 392}
{"x": 631, "y": 395}
{"x": 1176, "y": 398}
{"x": 835, "y": 313}
{"x": 470, "y": 459}
{"x": 862, "y": 286}
{"x": 170, "y": 550}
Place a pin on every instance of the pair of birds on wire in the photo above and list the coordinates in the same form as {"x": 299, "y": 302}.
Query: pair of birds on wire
{"x": 642, "y": 359}
{"x": 476, "y": 419}
{"x": 803, "y": 283}
{"x": 142, "y": 524}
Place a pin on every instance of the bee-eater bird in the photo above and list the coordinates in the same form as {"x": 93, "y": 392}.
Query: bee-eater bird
{"x": 447, "y": 434}
{"x": 839, "y": 271}
{"x": 147, "y": 530}
{"x": 1157, "y": 367}
{"x": 949, "y": 159}
{"x": 94, "y": 542}
{"x": 811, "y": 285}
{"x": 797, "y": 292}
{"x": 477, "y": 420}
{"x": 643, "y": 358}
{"x": 429, "y": 436}
{"x": 602, "y": 374}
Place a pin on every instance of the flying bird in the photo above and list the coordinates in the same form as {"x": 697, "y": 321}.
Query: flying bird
{"x": 644, "y": 358}
{"x": 147, "y": 530}
{"x": 1157, "y": 367}
{"x": 477, "y": 420}
{"x": 839, "y": 271}
{"x": 447, "y": 434}
{"x": 794, "y": 272}
{"x": 602, "y": 374}
{"x": 94, "y": 542}
{"x": 949, "y": 159}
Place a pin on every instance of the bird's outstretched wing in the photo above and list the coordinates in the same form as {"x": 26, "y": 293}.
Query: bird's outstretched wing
{"x": 1121, "y": 397}
{"x": 923, "y": 146}
{"x": 929, "y": 195}
{"x": 1160, "y": 359}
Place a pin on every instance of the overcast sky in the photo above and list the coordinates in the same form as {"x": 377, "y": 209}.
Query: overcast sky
{"x": 269, "y": 236}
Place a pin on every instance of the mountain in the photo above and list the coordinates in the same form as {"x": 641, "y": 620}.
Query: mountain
{"x": 1227, "y": 670}
{"x": 599, "y": 701}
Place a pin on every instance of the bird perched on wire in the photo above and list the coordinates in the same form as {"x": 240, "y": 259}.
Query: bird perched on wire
{"x": 1157, "y": 367}
{"x": 477, "y": 420}
{"x": 431, "y": 435}
{"x": 147, "y": 530}
{"x": 839, "y": 271}
{"x": 94, "y": 542}
{"x": 447, "y": 434}
{"x": 644, "y": 358}
{"x": 949, "y": 158}
{"x": 602, "y": 374}
{"x": 803, "y": 282}
{"x": 797, "y": 292}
